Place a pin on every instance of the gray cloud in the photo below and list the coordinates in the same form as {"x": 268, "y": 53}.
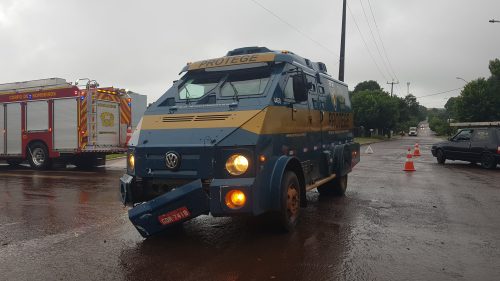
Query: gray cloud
{"x": 143, "y": 45}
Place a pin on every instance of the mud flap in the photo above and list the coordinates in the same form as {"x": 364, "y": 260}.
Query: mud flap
{"x": 172, "y": 208}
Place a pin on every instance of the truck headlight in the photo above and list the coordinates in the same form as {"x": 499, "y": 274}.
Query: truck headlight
{"x": 131, "y": 162}
{"x": 237, "y": 164}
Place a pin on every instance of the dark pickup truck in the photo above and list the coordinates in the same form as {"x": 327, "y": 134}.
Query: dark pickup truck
{"x": 476, "y": 145}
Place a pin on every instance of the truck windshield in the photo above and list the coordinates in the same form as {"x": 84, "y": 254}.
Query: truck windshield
{"x": 234, "y": 83}
{"x": 245, "y": 84}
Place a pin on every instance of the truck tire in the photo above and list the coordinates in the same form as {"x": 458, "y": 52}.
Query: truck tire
{"x": 38, "y": 156}
{"x": 440, "y": 156}
{"x": 335, "y": 187}
{"x": 290, "y": 201}
{"x": 488, "y": 161}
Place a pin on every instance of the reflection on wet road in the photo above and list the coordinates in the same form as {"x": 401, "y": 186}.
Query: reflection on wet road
{"x": 438, "y": 223}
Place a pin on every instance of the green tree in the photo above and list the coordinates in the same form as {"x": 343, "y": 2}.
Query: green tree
{"x": 375, "y": 109}
{"x": 367, "y": 85}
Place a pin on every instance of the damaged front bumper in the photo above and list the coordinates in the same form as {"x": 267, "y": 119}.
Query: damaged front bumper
{"x": 183, "y": 203}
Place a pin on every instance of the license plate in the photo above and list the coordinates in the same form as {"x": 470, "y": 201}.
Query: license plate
{"x": 174, "y": 216}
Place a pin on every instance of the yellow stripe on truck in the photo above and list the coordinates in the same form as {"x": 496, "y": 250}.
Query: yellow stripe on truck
{"x": 232, "y": 60}
{"x": 271, "y": 120}
{"x": 231, "y": 119}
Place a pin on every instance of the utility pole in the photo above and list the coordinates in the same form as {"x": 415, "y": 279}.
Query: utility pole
{"x": 408, "y": 84}
{"x": 342, "y": 45}
{"x": 392, "y": 85}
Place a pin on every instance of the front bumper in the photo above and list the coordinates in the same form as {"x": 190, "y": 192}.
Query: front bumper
{"x": 184, "y": 203}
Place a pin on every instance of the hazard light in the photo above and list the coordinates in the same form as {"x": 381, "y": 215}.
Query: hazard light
{"x": 235, "y": 199}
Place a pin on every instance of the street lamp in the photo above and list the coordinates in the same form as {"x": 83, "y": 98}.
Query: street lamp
{"x": 494, "y": 20}
{"x": 460, "y": 78}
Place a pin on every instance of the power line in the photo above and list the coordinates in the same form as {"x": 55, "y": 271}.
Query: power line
{"x": 296, "y": 29}
{"x": 382, "y": 41}
{"x": 366, "y": 45}
{"x": 375, "y": 41}
{"x": 440, "y": 93}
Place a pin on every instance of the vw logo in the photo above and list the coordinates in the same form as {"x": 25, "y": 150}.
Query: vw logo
{"x": 172, "y": 160}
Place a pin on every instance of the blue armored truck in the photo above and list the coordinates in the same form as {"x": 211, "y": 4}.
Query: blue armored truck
{"x": 245, "y": 134}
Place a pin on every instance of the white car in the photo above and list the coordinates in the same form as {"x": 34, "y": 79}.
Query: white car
{"x": 412, "y": 131}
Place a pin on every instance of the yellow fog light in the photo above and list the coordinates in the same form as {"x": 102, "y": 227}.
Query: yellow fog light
{"x": 131, "y": 161}
{"x": 235, "y": 199}
{"x": 237, "y": 164}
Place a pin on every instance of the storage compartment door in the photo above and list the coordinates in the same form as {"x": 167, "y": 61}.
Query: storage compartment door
{"x": 13, "y": 130}
{"x": 37, "y": 116}
{"x": 108, "y": 123}
{"x": 2, "y": 129}
{"x": 65, "y": 124}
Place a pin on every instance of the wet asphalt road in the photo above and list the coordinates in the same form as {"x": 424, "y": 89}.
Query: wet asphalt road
{"x": 438, "y": 223}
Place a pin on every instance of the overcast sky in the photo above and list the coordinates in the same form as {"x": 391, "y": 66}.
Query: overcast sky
{"x": 142, "y": 45}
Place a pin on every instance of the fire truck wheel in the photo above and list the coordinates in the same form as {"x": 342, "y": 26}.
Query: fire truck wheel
{"x": 290, "y": 204}
{"x": 335, "y": 187}
{"x": 38, "y": 156}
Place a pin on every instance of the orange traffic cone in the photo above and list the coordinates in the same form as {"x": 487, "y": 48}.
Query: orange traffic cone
{"x": 416, "y": 152}
{"x": 409, "y": 162}
{"x": 129, "y": 134}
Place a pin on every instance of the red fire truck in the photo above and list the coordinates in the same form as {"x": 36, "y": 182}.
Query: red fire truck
{"x": 51, "y": 121}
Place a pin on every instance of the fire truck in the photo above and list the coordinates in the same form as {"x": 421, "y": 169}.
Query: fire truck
{"x": 51, "y": 121}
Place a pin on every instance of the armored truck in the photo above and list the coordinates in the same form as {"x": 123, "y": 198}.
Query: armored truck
{"x": 245, "y": 134}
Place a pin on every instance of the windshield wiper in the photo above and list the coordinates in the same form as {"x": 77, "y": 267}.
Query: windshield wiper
{"x": 188, "y": 95}
{"x": 235, "y": 96}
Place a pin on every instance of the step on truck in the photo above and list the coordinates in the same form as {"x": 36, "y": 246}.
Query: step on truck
{"x": 245, "y": 134}
{"x": 51, "y": 121}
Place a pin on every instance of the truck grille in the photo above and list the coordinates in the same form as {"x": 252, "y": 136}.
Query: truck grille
{"x": 196, "y": 118}
{"x": 215, "y": 117}
{"x": 178, "y": 118}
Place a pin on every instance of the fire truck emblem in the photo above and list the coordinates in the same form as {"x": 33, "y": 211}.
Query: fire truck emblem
{"x": 172, "y": 160}
{"x": 107, "y": 119}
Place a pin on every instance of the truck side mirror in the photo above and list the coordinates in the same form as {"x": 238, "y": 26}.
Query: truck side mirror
{"x": 300, "y": 87}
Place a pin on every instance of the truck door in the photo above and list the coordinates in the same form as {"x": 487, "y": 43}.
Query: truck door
{"x": 65, "y": 124}
{"x": 13, "y": 129}
{"x": 108, "y": 123}
{"x": 2, "y": 129}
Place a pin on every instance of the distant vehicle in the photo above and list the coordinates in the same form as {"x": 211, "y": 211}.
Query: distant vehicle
{"x": 413, "y": 131}
{"x": 481, "y": 144}
{"x": 245, "y": 134}
{"x": 49, "y": 120}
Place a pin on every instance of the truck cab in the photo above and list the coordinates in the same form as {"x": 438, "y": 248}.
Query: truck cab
{"x": 245, "y": 134}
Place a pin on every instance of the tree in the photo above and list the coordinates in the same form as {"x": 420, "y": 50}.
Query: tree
{"x": 367, "y": 85}
{"x": 375, "y": 109}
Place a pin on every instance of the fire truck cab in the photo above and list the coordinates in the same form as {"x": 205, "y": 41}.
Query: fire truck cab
{"x": 245, "y": 134}
{"x": 52, "y": 121}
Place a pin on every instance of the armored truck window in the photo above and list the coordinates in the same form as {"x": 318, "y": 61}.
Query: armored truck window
{"x": 289, "y": 95}
{"x": 197, "y": 86}
{"x": 245, "y": 84}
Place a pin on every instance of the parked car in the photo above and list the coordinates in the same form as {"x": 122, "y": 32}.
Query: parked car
{"x": 474, "y": 145}
{"x": 413, "y": 131}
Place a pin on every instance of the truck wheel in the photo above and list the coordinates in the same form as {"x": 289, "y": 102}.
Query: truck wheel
{"x": 440, "y": 156}
{"x": 290, "y": 201}
{"x": 38, "y": 156}
{"x": 335, "y": 187}
{"x": 488, "y": 161}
